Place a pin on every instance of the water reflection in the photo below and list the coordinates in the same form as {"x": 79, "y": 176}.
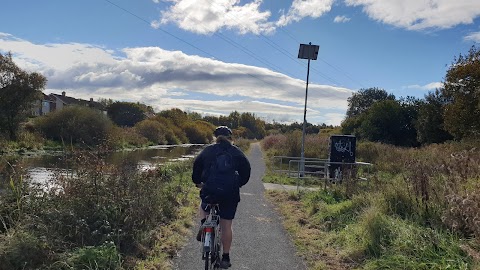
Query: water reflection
{"x": 41, "y": 168}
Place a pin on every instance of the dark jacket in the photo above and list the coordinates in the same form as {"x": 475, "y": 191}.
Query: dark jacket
{"x": 207, "y": 156}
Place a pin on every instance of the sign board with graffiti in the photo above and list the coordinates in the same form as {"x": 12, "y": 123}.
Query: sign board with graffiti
{"x": 342, "y": 150}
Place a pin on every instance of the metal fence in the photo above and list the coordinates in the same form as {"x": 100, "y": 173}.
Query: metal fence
{"x": 321, "y": 169}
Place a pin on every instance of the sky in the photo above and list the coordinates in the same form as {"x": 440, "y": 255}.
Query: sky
{"x": 218, "y": 56}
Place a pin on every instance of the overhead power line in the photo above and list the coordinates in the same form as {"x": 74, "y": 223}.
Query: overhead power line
{"x": 186, "y": 42}
{"x": 287, "y": 53}
{"x": 331, "y": 65}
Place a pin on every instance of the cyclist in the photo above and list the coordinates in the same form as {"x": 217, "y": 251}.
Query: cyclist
{"x": 228, "y": 207}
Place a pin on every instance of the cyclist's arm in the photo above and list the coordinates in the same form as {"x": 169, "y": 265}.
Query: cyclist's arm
{"x": 198, "y": 169}
{"x": 244, "y": 170}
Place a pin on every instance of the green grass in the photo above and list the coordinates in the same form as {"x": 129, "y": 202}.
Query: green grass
{"x": 357, "y": 234}
{"x": 279, "y": 179}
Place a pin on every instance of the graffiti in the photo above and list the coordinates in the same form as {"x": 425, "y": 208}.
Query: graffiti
{"x": 338, "y": 174}
{"x": 344, "y": 146}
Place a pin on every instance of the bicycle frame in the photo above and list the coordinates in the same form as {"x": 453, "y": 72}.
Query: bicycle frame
{"x": 211, "y": 239}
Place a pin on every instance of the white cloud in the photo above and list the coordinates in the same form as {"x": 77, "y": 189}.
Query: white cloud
{"x": 166, "y": 79}
{"x": 473, "y": 37}
{"x": 429, "y": 86}
{"x": 32, "y": 56}
{"x": 305, "y": 8}
{"x": 209, "y": 16}
{"x": 420, "y": 14}
{"x": 334, "y": 118}
{"x": 341, "y": 19}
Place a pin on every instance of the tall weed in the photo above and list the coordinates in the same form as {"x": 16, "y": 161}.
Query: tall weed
{"x": 90, "y": 211}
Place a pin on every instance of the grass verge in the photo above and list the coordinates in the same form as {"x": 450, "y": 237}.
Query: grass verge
{"x": 331, "y": 232}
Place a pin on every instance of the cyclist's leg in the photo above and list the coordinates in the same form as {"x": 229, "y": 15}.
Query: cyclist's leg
{"x": 202, "y": 213}
{"x": 227, "y": 234}
{"x": 227, "y": 214}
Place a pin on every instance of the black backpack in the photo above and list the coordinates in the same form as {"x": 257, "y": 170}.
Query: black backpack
{"x": 222, "y": 181}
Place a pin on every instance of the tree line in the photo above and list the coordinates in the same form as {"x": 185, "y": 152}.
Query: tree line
{"x": 451, "y": 112}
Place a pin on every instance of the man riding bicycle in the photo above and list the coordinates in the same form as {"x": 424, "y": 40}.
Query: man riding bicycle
{"x": 218, "y": 185}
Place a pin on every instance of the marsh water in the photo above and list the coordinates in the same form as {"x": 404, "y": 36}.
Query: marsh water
{"x": 40, "y": 168}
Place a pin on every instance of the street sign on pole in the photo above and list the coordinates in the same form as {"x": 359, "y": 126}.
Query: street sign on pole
{"x": 310, "y": 52}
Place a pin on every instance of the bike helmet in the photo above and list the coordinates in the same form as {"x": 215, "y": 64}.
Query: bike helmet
{"x": 222, "y": 131}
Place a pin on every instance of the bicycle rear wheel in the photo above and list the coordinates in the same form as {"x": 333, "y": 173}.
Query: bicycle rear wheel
{"x": 207, "y": 261}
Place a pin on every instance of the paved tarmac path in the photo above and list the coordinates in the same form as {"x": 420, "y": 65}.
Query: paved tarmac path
{"x": 259, "y": 242}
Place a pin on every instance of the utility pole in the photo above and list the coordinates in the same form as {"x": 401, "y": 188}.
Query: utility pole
{"x": 310, "y": 52}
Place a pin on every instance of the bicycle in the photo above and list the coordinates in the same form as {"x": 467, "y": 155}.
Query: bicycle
{"x": 211, "y": 238}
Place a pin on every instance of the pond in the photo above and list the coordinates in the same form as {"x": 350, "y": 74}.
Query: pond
{"x": 41, "y": 167}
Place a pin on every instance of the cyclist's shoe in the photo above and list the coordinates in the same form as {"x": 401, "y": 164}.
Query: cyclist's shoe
{"x": 225, "y": 263}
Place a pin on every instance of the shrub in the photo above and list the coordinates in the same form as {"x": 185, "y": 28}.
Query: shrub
{"x": 125, "y": 137}
{"x": 30, "y": 140}
{"x": 243, "y": 144}
{"x": 274, "y": 141}
{"x": 316, "y": 146}
{"x": 175, "y": 134}
{"x": 152, "y": 130}
{"x": 294, "y": 144}
{"x": 70, "y": 223}
{"x": 291, "y": 144}
{"x": 198, "y": 133}
{"x": 75, "y": 124}
{"x": 99, "y": 202}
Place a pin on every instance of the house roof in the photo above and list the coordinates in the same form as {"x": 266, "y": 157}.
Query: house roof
{"x": 81, "y": 102}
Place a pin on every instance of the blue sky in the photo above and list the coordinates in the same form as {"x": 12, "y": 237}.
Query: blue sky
{"x": 217, "y": 56}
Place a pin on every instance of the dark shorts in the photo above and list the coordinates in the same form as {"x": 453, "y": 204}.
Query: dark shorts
{"x": 226, "y": 210}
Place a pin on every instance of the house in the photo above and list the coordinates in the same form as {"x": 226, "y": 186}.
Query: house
{"x": 61, "y": 101}
{"x": 43, "y": 106}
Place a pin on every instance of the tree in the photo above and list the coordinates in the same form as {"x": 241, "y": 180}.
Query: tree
{"x": 462, "y": 92}
{"x": 234, "y": 120}
{"x": 387, "y": 122}
{"x": 350, "y": 125}
{"x": 359, "y": 102}
{"x": 194, "y": 116}
{"x": 255, "y": 126}
{"x": 410, "y": 106}
{"x": 126, "y": 114}
{"x": 18, "y": 91}
{"x": 177, "y": 116}
{"x": 105, "y": 101}
{"x": 430, "y": 123}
